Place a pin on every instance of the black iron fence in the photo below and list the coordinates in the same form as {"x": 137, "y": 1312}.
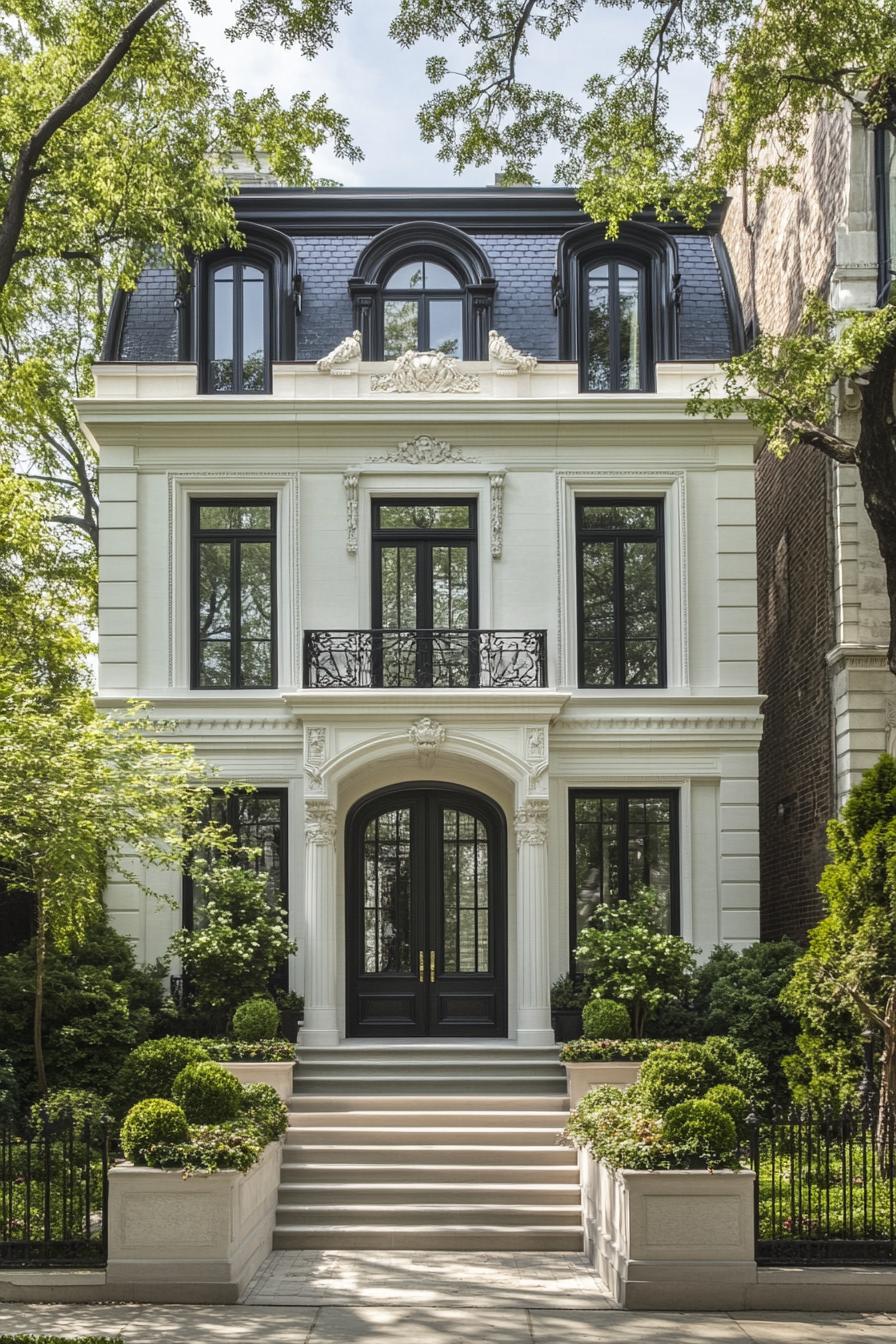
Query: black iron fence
{"x": 53, "y": 1191}
{"x": 430, "y": 658}
{"x": 825, "y": 1186}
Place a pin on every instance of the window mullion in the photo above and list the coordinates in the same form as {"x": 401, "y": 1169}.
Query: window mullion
{"x": 236, "y": 661}
{"x": 237, "y": 328}
{"x": 619, "y": 612}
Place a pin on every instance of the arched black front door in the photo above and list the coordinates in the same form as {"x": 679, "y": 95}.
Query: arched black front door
{"x": 426, "y": 914}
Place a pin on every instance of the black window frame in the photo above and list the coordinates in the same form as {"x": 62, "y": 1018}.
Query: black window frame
{"x": 444, "y": 535}
{"x": 673, "y": 796}
{"x": 618, "y": 536}
{"x": 239, "y": 264}
{"x": 280, "y": 977}
{"x": 613, "y": 263}
{"x": 234, "y": 536}
{"x": 423, "y": 298}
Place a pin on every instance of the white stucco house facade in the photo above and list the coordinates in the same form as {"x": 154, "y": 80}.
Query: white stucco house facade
{"x": 479, "y": 629}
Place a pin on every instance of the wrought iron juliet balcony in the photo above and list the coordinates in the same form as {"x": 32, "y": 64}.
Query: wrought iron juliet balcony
{"x": 425, "y": 658}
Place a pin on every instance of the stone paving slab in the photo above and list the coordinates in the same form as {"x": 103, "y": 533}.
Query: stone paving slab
{"x": 432, "y": 1278}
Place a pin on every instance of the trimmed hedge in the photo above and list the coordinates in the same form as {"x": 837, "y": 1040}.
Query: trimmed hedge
{"x": 150, "y": 1070}
{"x": 604, "y": 1019}
{"x": 208, "y": 1093}
{"x": 256, "y": 1020}
{"x": 150, "y": 1124}
{"x": 586, "y": 1051}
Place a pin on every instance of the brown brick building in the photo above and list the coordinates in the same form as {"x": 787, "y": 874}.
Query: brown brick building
{"x": 823, "y": 622}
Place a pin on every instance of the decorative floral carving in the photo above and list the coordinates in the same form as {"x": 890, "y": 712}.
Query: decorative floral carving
{"x": 531, "y": 822}
{"x": 425, "y": 371}
{"x": 320, "y": 822}
{"x": 423, "y": 450}
{"x": 350, "y": 481}
{"x": 891, "y": 725}
{"x": 535, "y": 743}
{"x": 427, "y": 735}
{"x": 496, "y": 482}
{"x": 506, "y": 358}
{"x": 344, "y": 359}
{"x": 315, "y": 757}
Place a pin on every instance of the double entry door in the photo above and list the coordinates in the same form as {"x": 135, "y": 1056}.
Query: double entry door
{"x": 425, "y": 917}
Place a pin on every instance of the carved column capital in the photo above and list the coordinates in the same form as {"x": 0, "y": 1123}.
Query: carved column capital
{"x": 531, "y": 822}
{"x": 320, "y": 822}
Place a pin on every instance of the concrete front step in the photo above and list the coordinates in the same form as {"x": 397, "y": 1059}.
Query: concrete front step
{"x": 425, "y": 1215}
{"x": 408, "y": 1134}
{"x": 408, "y": 1192}
{"x": 411, "y": 1083}
{"x": 473, "y": 1118}
{"x": 437, "y": 1237}
{"x": 305, "y": 1104}
{"x": 386, "y": 1174}
{"x": 437, "y": 1154}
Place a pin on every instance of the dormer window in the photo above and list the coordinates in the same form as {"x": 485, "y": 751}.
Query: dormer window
{"x": 239, "y": 323}
{"x": 423, "y": 286}
{"x": 423, "y": 309}
{"x": 614, "y": 332}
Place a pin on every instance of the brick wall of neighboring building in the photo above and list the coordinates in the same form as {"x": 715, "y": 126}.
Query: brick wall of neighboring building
{"x": 796, "y": 773}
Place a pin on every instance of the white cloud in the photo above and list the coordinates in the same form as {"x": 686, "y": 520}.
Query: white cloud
{"x": 380, "y": 86}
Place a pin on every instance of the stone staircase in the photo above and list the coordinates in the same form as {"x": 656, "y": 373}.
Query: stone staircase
{"x": 432, "y": 1147}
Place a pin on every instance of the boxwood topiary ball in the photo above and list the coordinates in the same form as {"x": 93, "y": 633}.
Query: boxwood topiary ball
{"x": 606, "y": 1020}
{"x": 732, "y": 1100}
{"x": 256, "y": 1020}
{"x": 702, "y": 1129}
{"x": 208, "y": 1093}
{"x": 153, "y": 1121}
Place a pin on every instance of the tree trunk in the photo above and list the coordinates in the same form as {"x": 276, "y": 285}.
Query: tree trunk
{"x": 40, "y": 956}
{"x": 876, "y": 461}
{"x": 884, "y": 1135}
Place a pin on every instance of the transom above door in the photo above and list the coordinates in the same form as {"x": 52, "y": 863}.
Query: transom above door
{"x": 426, "y": 914}
{"x": 424, "y": 599}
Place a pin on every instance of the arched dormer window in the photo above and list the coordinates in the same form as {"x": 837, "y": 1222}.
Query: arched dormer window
{"x": 617, "y": 305}
{"x": 243, "y": 315}
{"x": 423, "y": 286}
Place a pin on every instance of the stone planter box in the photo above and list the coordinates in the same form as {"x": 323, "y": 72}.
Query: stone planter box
{"x": 198, "y": 1239}
{"x": 580, "y": 1078}
{"x": 279, "y": 1076}
{"x": 670, "y": 1240}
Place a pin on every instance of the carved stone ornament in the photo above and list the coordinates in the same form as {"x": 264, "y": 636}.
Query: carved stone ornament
{"x": 344, "y": 359}
{"x": 506, "y": 359}
{"x": 531, "y": 822}
{"x": 423, "y": 451}
{"x": 425, "y": 371}
{"x": 496, "y": 482}
{"x": 350, "y": 481}
{"x": 320, "y": 822}
{"x": 891, "y": 725}
{"x": 427, "y": 735}
{"x": 315, "y": 759}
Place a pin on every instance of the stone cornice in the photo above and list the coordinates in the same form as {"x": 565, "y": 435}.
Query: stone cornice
{"x": 392, "y": 706}
{"x": 858, "y": 657}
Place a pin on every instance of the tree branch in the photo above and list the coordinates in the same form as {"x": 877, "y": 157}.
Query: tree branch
{"x": 813, "y": 436}
{"x": 27, "y": 162}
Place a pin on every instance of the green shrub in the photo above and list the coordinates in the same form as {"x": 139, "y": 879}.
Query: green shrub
{"x": 260, "y": 1104}
{"x": 150, "y": 1070}
{"x": 603, "y": 1019}
{"x": 276, "y": 1051}
{"x": 9, "y": 1087}
{"x": 627, "y": 955}
{"x": 151, "y": 1123}
{"x": 569, "y": 995}
{"x": 619, "y": 1127}
{"x": 586, "y": 1051}
{"x": 208, "y": 1093}
{"x": 701, "y": 1131}
{"x": 737, "y": 994}
{"x": 235, "y": 1146}
{"x": 686, "y": 1072}
{"x": 732, "y": 1100}
{"x": 84, "y": 1107}
{"x": 256, "y": 1020}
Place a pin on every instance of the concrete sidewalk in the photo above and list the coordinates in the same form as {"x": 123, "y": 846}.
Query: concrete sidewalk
{"x": 440, "y": 1325}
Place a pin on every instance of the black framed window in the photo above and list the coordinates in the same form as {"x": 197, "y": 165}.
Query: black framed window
{"x": 239, "y": 327}
{"x": 234, "y": 593}
{"x": 620, "y": 841}
{"x": 620, "y": 584}
{"x": 614, "y": 328}
{"x": 885, "y": 175}
{"x": 423, "y": 309}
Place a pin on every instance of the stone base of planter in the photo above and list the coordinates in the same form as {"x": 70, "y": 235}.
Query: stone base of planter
{"x": 279, "y": 1076}
{"x": 198, "y": 1239}
{"x": 670, "y": 1240}
{"x": 580, "y": 1078}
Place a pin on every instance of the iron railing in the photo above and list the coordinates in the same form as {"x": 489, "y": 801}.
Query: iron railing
{"x": 429, "y": 658}
{"x": 54, "y": 1191}
{"x": 825, "y": 1187}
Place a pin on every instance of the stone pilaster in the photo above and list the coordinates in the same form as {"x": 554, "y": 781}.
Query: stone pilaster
{"x": 533, "y": 973}
{"x": 320, "y": 951}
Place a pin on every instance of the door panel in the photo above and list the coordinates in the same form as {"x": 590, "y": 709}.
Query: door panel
{"x": 425, "y": 917}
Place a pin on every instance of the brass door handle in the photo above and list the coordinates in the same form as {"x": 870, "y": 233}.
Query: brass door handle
{"x": 432, "y": 967}
{"x": 422, "y": 967}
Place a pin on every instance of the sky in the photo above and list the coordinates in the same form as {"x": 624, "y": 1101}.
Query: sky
{"x": 379, "y": 86}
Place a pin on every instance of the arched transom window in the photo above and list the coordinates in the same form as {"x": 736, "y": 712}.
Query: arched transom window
{"x": 239, "y": 321}
{"x": 423, "y": 309}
